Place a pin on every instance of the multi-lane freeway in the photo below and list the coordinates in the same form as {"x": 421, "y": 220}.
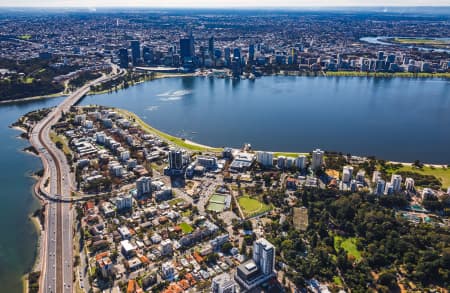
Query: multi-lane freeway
{"x": 56, "y": 253}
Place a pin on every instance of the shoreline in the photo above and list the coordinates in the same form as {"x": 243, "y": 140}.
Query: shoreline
{"x": 183, "y": 143}
{"x": 163, "y": 135}
{"x": 37, "y": 226}
{"x": 421, "y": 75}
{"x": 160, "y": 76}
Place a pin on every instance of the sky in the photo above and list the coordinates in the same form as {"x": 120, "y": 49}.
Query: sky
{"x": 217, "y": 4}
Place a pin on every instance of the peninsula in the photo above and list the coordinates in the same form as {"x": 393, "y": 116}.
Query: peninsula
{"x": 161, "y": 213}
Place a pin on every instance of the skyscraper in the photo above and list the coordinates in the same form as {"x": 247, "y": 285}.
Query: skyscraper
{"x": 227, "y": 56}
{"x": 123, "y": 58}
{"x": 147, "y": 54}
{"x": 396, "y": 182}
{"x": 260, "y": 268}
{"x": 187, "y": 48}
{"x": 317, "y": 159}
{"x": 135, "y": 51}
{"x": 264, "y": 256}
{"x": 379, "y": 189}
{"x": 409, "y": 184}
{"x": 300, "y": 162}
{"x": 236, "y": 67}
{"x": 211, "y": 46}
{"x": 144, "y": 186}
{"x": 237, "y": 53}
{"x": 251, "y": 52}
{"x": 347, "y": 174}
{"x": 175, "y": 159}
{"x": 264, "y": 158}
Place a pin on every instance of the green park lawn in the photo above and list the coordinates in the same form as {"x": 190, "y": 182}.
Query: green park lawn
{"x": 421, "y": 41}
{"x": 25, "y": 37}
{"x": 287, "y": 154}
{"x": 349, "y": 245}
{"x": 443, "y": 174}
{"x": 186, "y": 228}
{"x": 251, "y": 206}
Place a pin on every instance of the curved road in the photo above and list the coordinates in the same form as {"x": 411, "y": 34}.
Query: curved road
{"x": 56, "y": 250}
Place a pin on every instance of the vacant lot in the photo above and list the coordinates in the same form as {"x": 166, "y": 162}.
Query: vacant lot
{"x": 301, "y": 218}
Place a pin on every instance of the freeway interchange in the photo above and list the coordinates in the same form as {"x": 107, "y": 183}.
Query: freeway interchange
{"x": 56, "y": 246}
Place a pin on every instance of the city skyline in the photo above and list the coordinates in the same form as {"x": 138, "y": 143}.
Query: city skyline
{"x": 228, "y": 4}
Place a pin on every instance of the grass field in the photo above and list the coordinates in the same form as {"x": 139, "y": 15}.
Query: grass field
{"x": 215, "y": 207}
{"x": 172, "y": 139}
{"x": 186, "y": 228}
{"x": 55, "y": 138}
{"x": 217, "y": 198}
{"x": 418, "y": 41}
{"x": 349, "y": 245}
{"x": 252, "y": 207}
{"x": 292, "y": 155}
{"x": 443, "y": 174}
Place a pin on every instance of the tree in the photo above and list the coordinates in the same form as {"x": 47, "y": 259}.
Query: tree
{"x": 388, "y": 279}
{"x": 226, "y": 247}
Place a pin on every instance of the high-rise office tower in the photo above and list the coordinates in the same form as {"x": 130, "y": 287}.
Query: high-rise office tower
{"x": 135, "y": 51}
{"x": 211, "y": 46}
{"x": 251, "y": 52}
{"x": 123, "y": 58}
{"x": 187, "y": 48}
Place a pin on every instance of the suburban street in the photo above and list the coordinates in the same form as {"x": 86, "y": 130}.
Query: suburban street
{"x": 56, "y": 251}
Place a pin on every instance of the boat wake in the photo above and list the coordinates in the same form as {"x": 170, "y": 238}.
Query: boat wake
{"x": 152, "y": 108}
{"x": 174, "y": 95}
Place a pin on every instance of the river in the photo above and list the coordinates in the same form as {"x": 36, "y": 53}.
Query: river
{"x": 397, "y": 119}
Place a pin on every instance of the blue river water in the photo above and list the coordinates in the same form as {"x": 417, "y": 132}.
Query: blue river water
{"x": 397, "y": 119}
